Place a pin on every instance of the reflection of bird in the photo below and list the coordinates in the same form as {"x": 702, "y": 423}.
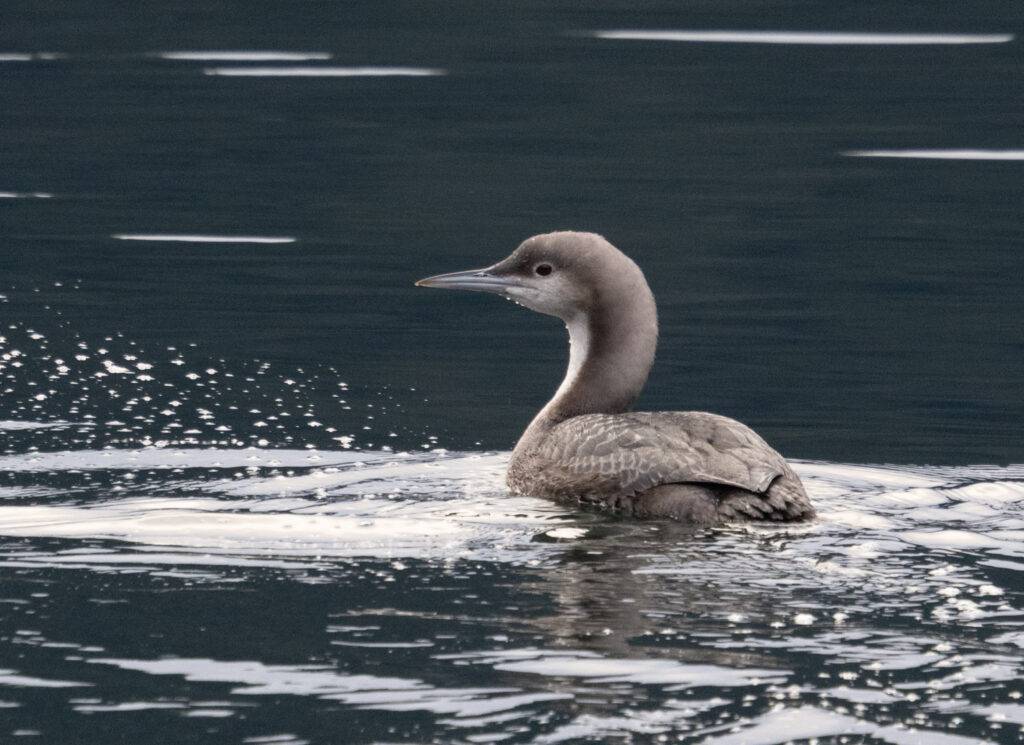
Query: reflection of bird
{"x": 587, "y": 443}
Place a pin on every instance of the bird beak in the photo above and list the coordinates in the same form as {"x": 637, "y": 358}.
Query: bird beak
{"x": 473, "y": 279}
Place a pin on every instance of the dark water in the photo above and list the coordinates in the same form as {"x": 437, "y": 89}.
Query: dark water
{"x": 251, "y": 479}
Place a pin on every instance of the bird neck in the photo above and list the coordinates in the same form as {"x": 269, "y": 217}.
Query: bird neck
{"x": 610, "y": 354}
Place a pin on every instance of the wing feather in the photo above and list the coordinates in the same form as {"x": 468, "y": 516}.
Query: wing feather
{"x": 640, "y": 450}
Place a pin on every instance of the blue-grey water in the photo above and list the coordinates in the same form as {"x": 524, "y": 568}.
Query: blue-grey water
{"x": 251, "y": 479}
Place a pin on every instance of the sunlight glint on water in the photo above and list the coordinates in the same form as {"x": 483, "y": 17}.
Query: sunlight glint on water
{"x": 242, "y": 56}
{"x": 826, "y": 38}
{"x": 323, "y": 72}
{"x": 940, "y": 154}
{"x": 171, "y": 238}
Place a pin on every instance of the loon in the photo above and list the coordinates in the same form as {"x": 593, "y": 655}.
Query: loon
{"x": 587, "y": 444}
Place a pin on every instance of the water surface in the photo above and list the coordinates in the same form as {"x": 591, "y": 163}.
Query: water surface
{"x": 251, "y": 479}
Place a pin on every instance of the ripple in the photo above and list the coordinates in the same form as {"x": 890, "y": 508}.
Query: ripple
{"x": 362, "y": 691}
{"x": 12, "y": 678}
{"x": 324, "y": 72}
{"x": 243, "y": 56}
{"x": 805, "y": 37}
{"x": 25, "y": 195}
{"x": 604, "y": 670}
{"x": 872, "y": 622}
{"x": 28, "y": 57}
{"x": 939, "y": 154}
{"x": 809, "y": 722}
{"x": 185, "y": 238}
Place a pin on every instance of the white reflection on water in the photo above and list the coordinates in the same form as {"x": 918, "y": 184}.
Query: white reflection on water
{"x": 240, "y": 56}
{"x": 23, "y": 57}
{"x": 805, "y": 37}
{"x": 362, "y": 691}
{"x": 324, "y": 72}
{"x": 11, "y": 678}
{"x": 810, "y": 722}
{"x": 25, "y": 195}
{"x": 939, "y": 154}
{"x": 600, "y": 669}
{"x": 186, "y": 238}
{"x": 468, "y": 704}
{"x": 11, "y": 425}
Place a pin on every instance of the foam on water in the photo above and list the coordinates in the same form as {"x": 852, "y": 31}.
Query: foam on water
{"x": 280, "y": 502}
{"x": 349, "y": 504}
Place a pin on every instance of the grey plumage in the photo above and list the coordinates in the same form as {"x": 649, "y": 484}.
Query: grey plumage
{"x": 717, "y": 468}
{"x": 586, "y": 444}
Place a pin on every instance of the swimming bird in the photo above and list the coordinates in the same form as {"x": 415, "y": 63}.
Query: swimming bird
{"x": 587, "y": 444}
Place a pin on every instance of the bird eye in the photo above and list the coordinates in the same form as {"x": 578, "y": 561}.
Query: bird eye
{"x": 543, "y": 269}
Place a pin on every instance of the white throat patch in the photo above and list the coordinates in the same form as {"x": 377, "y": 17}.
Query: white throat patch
{"x": 579, "y": 347}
